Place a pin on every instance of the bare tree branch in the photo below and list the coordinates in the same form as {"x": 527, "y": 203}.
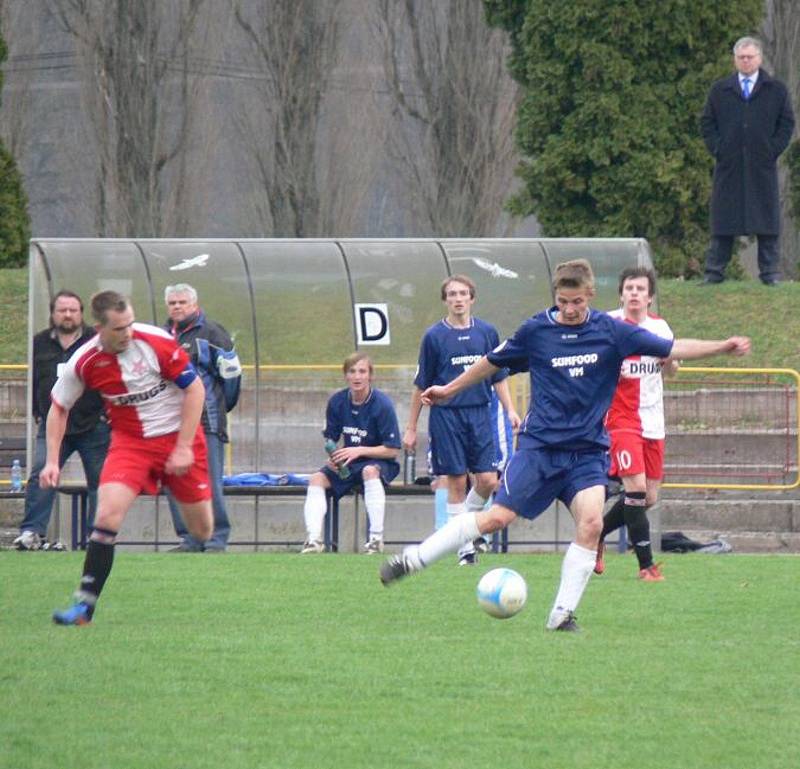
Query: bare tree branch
{"x": 454, "y": 105}
{"x": 140, "y": 102}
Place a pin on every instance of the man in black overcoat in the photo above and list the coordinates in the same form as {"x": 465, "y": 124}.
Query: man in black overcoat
{"x": 747, "y": 123}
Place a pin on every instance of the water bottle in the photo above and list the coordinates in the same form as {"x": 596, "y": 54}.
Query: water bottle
{"x": 16, "y": 476}
{"x": 344, "y": 470}
{"x": 410, "y": 468}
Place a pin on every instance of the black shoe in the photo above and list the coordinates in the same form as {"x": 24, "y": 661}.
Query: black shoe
{"x": 480, "y": 545}
{"x": 468, "y": 559}
{"x": 711, "y": 281}
{"x": 394, "y": 568}
{"x": 771, "y": 282}
{"x": 568, "y": 624}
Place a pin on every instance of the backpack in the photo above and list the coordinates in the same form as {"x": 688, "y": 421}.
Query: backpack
{"x": 225, "y": 365}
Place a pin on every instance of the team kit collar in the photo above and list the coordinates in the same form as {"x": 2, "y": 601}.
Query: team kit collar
{"x": 459, "y": 328}
{"x": 553, "y": 312}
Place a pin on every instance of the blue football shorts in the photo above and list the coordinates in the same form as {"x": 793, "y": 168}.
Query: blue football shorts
{"x": 462, "y": 440}
{"x": 341, "y": 486}
{"x": 535, "y": 478}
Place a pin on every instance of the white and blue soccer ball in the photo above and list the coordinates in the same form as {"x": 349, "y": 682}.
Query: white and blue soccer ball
{"x": 502, "y": 593}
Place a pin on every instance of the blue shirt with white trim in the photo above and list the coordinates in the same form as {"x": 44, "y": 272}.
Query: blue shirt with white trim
{"x": 371, "y": 423}
{"x": 574, "y": 372}
{"x": 447, "y": 351}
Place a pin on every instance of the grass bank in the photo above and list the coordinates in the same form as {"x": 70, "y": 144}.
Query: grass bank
{"x": 768, "y": 315}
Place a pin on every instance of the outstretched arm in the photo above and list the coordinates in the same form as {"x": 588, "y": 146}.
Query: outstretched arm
{"x": 691, "y": 349}
{"x": 474, "y": 374}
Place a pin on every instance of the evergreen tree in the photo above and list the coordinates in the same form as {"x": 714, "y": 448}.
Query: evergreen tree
{"x": 609, "y": 125}
{"x": 14, "y": 220}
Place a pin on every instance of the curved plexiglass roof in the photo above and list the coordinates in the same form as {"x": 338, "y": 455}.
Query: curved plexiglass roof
{"x": 297, "y": 308}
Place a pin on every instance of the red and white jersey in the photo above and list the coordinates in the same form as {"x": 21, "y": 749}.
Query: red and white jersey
{"x": 137, "y": 385}
{"x": 638, "y": 404}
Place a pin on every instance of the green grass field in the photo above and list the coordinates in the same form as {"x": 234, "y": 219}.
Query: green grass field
{"x": 279, "y": 661}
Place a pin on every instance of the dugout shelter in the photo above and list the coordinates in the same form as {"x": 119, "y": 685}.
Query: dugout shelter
{"x": 297, "y": 308}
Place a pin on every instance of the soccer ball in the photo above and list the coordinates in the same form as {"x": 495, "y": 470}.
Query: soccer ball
{"x": 502, "y": 593}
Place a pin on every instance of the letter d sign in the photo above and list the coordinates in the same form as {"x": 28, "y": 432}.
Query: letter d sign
{"x": 372, "y": 323}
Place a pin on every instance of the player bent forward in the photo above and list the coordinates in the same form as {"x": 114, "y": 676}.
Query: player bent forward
{"x": 154, "y": 400}
{"x": 367, "y": 419}
{"x": 573, "y": 355}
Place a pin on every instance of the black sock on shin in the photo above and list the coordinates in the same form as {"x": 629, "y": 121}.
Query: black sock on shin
{"x": 97, "y": 566}
{"x": 614, "y": 518}
{"x": 635, "y": 513}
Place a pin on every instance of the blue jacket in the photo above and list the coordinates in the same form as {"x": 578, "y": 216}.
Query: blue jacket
{"x": 215, "y": 418}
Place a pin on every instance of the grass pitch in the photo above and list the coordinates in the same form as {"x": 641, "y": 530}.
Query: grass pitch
{"x": 280, "y": 661}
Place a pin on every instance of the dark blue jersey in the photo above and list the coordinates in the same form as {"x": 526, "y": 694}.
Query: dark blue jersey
{"x": 574, "y": 372}
{"x": 372, "y": 423}
{"x": 446, "y": 352}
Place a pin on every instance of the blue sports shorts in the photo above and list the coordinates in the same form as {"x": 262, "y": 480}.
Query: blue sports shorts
{"x": 535, "y": 478}
{"x": 462, "y": 440}
{"x": 340, "y": 486}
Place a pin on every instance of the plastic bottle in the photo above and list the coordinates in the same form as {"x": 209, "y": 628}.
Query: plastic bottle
{"x": 16, "y": 476}
{"x": 410, "y": 468}
{"x": 344, "y": 470}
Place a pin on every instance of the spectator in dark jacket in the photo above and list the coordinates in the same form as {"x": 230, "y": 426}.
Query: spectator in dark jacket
{"x": 87, "y": 431}
{"x": 747, "y": 123}
{"x": 203, "y": 339}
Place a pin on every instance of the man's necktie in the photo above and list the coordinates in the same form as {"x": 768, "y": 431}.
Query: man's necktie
{"x": 746, "y": 88}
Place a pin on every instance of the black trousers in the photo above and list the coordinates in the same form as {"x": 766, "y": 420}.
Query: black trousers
{"x": 719, "y": 254}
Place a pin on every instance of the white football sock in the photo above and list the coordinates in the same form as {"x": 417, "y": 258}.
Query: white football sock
{"x": 455, "y": 509}
{"x": 458, "y": 530}
{"x": 375, "y": 502}
{"x": 314, "y": 511}
{"x": 475, "y": 502}
{"x": 576, "y": 569}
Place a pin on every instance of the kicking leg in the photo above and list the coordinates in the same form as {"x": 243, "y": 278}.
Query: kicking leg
{"x": 457, "y": 531}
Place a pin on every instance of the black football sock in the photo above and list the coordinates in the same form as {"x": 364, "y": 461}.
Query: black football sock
{"x": 614, "y": 518}
{"x": 97, "y": 565}
{"x": 635, "y": 514}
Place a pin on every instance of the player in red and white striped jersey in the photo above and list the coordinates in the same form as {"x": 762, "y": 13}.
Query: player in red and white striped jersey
{"x": 154, "y": 400}
{"x": 635, "y": 424}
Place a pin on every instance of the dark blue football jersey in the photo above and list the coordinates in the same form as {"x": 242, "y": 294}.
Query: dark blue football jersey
{"x": 372, "y": 423}
{"x": 446, "y": 352}
{"x": 574, "y": 372}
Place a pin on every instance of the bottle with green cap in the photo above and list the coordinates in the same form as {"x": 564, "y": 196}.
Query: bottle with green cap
{"x": 344, "y": 470}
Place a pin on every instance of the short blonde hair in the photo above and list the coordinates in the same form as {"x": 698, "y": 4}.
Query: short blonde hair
{"x": 576, "y": 273}
{"x": 354, "y": 358}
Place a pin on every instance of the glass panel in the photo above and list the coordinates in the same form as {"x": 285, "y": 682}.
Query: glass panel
{"x": 404, "y": 275}
{"x": 39, "y": 294}
{"x": 305, "y": 330}
{"x": 607, "y": 257}
{"x": 215, "y": 269}
{"x": 511, "y": 277}
{"x": 302, "y": 300}
{"x": 88, "y": 266}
